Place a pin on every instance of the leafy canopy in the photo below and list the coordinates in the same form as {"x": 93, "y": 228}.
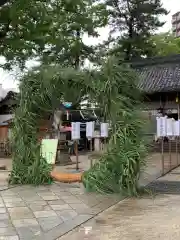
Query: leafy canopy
{"x": 50, "y": 31}
{"x": 165, "y": 44}
{"x": 132, "y": 22}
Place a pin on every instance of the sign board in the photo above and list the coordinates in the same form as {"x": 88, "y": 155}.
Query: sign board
{"x": 104, "y": 130}
{"x": 75, "y": 130}
{"x": 49, "y": 150}
{"x": 90, "y": 129}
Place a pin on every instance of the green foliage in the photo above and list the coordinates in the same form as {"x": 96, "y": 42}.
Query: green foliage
{"x": 41, "y": 91}
{"x": 118, "y": 170}
{"x": 165, "y": 44}
{"x": 47, "y": 30}
{"x": 114, "y": 89}
{"x": 82, "y": 17}
{"x": 132, "y": 22}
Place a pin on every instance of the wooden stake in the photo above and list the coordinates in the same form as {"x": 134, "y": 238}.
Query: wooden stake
{"x": 170, "y": 149}
{"x": 76, "y": 153}
{"x": 91, "y": 161}
{"x": 162, "y": 155}
{"x": 100, "y": 146}
{"x": 177, "y": 155}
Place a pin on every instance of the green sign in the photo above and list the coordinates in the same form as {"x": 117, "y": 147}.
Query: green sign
{"x": 49, "y": 150}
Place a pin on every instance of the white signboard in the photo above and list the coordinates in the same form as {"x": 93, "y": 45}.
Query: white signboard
{"x": 75, "y": 131}
{"x": 170, "y": 125}
{"x": 104, "y": 130}
{"x": 161, "y": 126}
{"x": 90, "y": 129}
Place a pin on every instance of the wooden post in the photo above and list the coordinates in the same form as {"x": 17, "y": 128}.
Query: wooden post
{"x": 177, "y": 155}
{"x": 91, "y": 161}
{"x": 162, "y": 155}
{"x": 76, "y": 153}
{"x": 170, "y": 156}
{"x": 177, "y": 138}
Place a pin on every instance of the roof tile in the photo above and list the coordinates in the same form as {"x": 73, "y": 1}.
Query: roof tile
{"x": 159, "y": 78}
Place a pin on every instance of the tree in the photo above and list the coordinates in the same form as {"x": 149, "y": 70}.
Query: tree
{"x": 165, "y": 44}
{"x": 50, "y": 31}
{"x": 132, "y": 22}
{"x": 68, "y": 47}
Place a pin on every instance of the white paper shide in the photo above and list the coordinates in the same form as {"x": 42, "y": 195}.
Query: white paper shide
{"x": 90, "y": 129}
{"x": 104, "y": 130}
{"x": 167, "y": 127}
{"x": 161, "y": 126}
{"x": 176, "y": 128}
{"x": 75, "y": 131}
{"x": 170, "y": 124}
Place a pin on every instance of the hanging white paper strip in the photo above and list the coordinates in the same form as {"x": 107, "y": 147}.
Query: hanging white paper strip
{"x": 161, "y": 126}
{"x": 164, "y": 126}
{"x": 177, "y": 128}
{"x": 158, "y": 124}
{"x": 90, "y": 129}
{"x": 170, "y": 124}
{"x": 75, "y": 131}
{"x": 104, "y": 130}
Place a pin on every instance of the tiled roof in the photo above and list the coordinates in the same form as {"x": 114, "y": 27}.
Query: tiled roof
{"x": 159, "y": 74}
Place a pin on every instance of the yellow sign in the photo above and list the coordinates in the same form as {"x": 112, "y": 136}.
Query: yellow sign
{"x": 49, "y": 150}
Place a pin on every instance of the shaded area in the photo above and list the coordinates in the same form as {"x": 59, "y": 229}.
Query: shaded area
{"x": 168, "y": 187}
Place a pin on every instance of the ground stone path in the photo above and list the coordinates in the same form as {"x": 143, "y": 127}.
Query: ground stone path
{"x": 151, "y": 217}
{"x": 47, "y": 212}
{"x": 134, "y": 219}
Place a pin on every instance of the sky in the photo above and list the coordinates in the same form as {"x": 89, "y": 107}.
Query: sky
{"x": 8, "y": 79}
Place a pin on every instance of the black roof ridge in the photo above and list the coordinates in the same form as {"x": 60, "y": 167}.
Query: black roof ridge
{"x": 171, "y": 59}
